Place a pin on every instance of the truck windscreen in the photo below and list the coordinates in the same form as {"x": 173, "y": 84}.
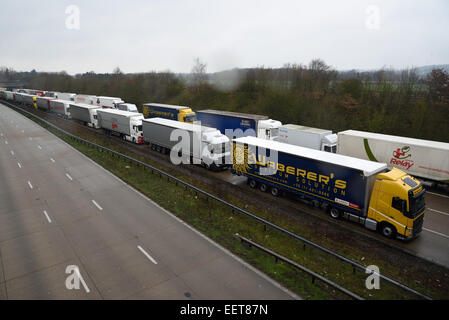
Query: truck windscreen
{"x": 417, "y": 205}
{"x": 190, "y": 118}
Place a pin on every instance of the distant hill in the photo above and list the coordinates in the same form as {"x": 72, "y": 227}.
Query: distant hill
{"x": 423, "y": 71}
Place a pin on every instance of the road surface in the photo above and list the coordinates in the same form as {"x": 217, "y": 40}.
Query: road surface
{"x": 65, "y": 222}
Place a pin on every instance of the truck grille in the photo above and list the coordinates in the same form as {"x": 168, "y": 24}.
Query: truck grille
{"x": 417, "y": 225}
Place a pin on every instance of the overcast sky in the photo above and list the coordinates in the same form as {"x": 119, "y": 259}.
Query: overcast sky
{"x": 146, "y": 35}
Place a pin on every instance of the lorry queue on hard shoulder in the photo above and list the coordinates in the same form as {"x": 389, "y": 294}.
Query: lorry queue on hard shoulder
{"x": 364, "y": 177}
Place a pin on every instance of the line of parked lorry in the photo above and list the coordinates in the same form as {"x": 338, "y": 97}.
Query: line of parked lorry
{"x": 361, "y": 176}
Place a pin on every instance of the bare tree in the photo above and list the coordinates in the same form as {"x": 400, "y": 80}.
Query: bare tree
{"x": 199, "y": 74}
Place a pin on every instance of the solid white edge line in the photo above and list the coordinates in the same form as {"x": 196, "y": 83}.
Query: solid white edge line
{"x": 441, "y": 212}
{"x": 46, "y": 215}
{"x": 438, "y": 233}
{"x": 147, "y": 255}
{"x": 97, "y": 205}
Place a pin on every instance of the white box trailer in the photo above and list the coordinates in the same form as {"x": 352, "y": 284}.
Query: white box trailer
{"x": 18, "y": 97}
{"x": 314, "y": 138}
{"x": 108, "y": 102}
{"x": 66, "y": 96}
{"x": 29, "y": 99}
{"x": 421, "y": 158}
{"x": 51, "y": 94}
{"x": 9, "y": 95}
{"x": 43, "y": 103}
{"x": 60, "y": 107}
{"x": 205, "y": 145}
{"x": 125, "y": 124}
{"x": 127, "y": 107}
{"x": 85, "y": 113}
{"x": 85, "y": 99}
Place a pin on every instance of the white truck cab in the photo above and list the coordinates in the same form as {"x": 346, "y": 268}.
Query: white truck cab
{"x": 268, "y": 129}
{"x": 108, "y": 102}
{"x": 216, "y": 147}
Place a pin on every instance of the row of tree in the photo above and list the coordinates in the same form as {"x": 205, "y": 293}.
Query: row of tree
{"x": 384, "y": 101}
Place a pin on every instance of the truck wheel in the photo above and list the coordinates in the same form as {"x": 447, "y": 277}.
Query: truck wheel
{"x": 263, "y": 187}
{"x": 334, "y": 213}
{"x": 275, "y": 192}
{"x": 152, "y": 147}
{"x": 388, "y": 230}
{"x": 252, "y": 183}
{"x": 159, "y": 149}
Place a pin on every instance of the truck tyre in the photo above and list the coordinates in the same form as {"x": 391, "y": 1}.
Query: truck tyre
{"x": 263, "y": 187}
{"x": 159, "y": 149}
{"x": 252, "y": 183}
{"x": 388, "y": 230}
{"x": 275, "y": 192}
{"x": 334, "y": 213}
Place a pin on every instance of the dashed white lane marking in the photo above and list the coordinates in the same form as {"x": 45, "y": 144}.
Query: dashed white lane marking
{"x": 68, "y": 176}
{"x": 31, "y": 186}
{"x": 147, "y": 255}
{"x": 30, "y": 138}
{"x": 438, "y": 233}
{"x": 437, "y": 194}
{"x": 19, "y": 165}
{"x": 46, "y": 215}
{"x": 12, "y": 152}
{"x": 6, "y": 141}
{"x": 40, "y": 148}
{"x": 52, "y": 160}
{"x": 97, "y": 205}
{"x": 441, "y": 212}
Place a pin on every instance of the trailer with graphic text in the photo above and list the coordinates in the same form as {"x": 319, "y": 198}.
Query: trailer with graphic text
{"x": 391, "y": 202}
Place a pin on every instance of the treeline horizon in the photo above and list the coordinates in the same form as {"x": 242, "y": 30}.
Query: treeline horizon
{"x": 396, "y": 102}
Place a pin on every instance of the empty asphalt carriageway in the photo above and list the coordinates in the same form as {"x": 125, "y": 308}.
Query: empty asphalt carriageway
{"x": 69, "y": 229}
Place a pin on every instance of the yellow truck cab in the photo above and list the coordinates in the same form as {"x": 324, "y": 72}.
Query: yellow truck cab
{"x": 397, "y": 204}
